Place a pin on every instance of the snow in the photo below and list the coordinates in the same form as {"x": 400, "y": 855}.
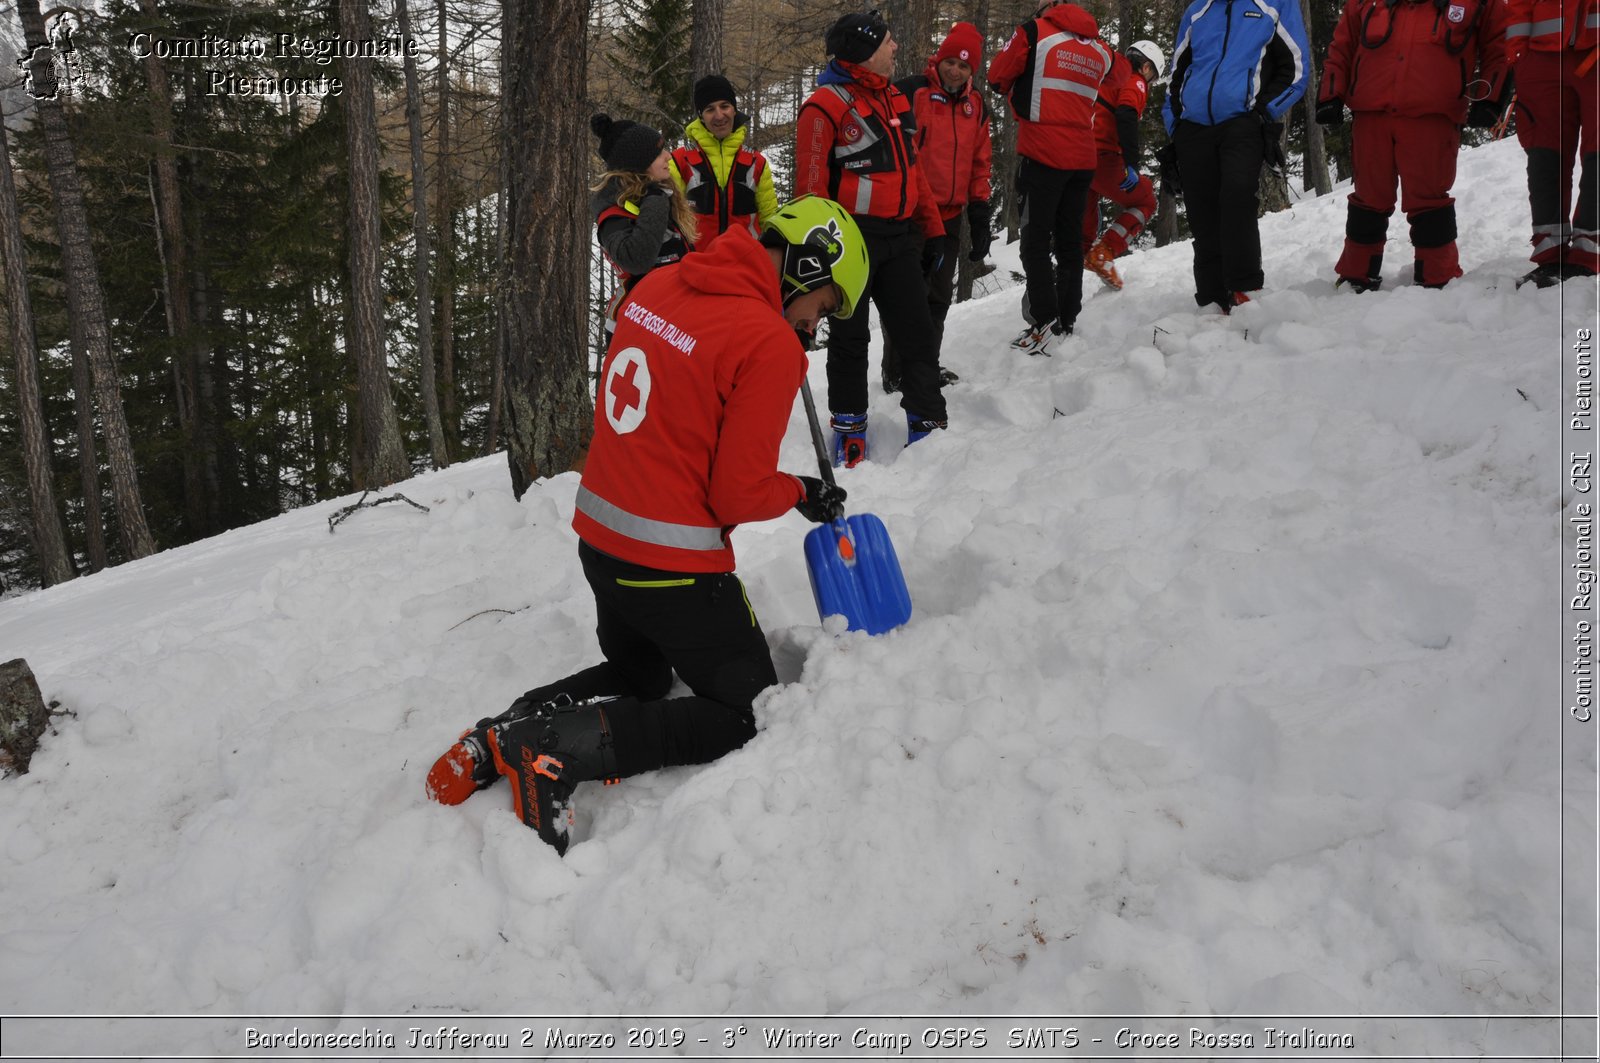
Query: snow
{"x": 1232, "y": 689}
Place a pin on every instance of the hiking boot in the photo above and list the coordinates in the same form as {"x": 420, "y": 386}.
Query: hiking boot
{"x": 849, "y": 439}
{"x": 1099, "y": 261}
{"x": 1359, "y": 285}
{"x": 919, "y": 427}
{"x": 545, "y": 756}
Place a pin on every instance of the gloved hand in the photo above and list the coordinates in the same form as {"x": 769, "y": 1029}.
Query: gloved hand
{"x": 978, "y": 216}
{"x": 932, "y": 254}
{"x": 1129, "y": 180}
{"x": 823, "y": 501}
{"x": 1272, "y": 152}
{"x": 1483, "y": 114}
{"x": 1167, "y": 165}
{"x": 1330, "y": 112}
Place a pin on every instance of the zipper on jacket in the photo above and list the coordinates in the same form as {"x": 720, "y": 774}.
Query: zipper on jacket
{"x": 1211, "y": 90}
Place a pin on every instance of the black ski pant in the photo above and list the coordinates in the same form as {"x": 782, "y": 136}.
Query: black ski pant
{"x": 1220, "y": 166}
{"x": 1051, "y": 202}
{"x": 652, "y": 623}
{"x": 896, "y": 287}
{"x": 941, "y": 292}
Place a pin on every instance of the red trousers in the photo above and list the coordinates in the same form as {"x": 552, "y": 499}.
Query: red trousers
{"x": 1417, "y": 156}
{"x": 1138, "y": 205}
{"x": 1556, "y": 111}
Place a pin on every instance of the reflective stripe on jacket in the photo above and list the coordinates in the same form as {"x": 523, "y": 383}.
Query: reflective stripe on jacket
{"x": 727, "y": 184}
{"x": 1552, "y": 25}
{"x": 1051, "y": 71}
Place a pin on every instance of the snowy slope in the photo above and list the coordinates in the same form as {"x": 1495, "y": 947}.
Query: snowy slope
{"x": 1232, "y": 688}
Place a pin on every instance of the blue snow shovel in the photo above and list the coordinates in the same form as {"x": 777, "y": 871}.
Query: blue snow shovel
{"x": 851, "y": 562}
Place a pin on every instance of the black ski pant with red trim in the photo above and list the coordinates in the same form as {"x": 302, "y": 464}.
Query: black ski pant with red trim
{"x": 652, "y": 623}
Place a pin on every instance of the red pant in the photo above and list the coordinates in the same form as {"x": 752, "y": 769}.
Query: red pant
{"x": 1556, "y": 109}
{"x": 1138, "y": 204}
{"x": 1419, "y": 156}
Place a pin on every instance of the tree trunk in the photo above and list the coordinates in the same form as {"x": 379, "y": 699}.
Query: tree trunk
{"x": 444, "y": 214}
{"x": 191, "y": 351}
{"x": 85, "y": 300}
{"x": 419, "y": 230}
{"x": 913, "y": 24}
{"x": 49, "y": 543}
{"x": 705, "y": 38}
{"x": 382, "y": 458}
{"x": 94, "y": 519}
{"x": 1316, "y": 159}
{"x": 549, "y": 416}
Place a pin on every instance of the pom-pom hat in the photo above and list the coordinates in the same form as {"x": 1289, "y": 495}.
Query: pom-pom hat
{"x": 624, "y": 145}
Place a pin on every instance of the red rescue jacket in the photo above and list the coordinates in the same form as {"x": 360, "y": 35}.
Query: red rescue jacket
{"x": 1553, "y": 25}
{"x": 1051, "y": 71}
{"x": 695, "y": 395}
{"x": 854, "y": 144}
{"x": 1122, "y": 88}
{"x": 1415, "y": 58}
{"x": 953, "y": 144}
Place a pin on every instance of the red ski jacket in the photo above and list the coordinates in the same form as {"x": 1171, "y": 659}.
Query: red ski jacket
{"x": 1122, "y": 91}
{"x": 953, "y": 143}
{"x": 1553, "y": 25}
{"x": 854, "y": 144}
{"x": 1414, "y": 58}
{"x": 1051, "y": 71}
{"x": 695, "y": 395}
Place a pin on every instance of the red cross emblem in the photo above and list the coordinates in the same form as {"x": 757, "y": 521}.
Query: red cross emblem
{"x": 627, "y": 390}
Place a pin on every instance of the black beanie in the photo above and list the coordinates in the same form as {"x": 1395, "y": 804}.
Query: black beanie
{"x": 710, "y": 89}
{"x": 856, "y": 36}
{"x": 624, "y": 145}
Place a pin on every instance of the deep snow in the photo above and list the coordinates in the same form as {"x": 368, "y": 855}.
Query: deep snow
{"x": 1234, "y": 687}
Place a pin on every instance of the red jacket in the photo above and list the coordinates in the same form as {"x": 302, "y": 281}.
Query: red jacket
{"x": 854, "y": 145}
{"x": 1122, "y": 88}
{"x": 1413, "y": 59}
{"x": 1552, "y": 25}
{"x": 698, "y": 384}
{"x": 1051, "y": 71}
{"x": 953, "y": 144}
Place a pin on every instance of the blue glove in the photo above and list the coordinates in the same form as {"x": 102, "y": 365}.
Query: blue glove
{"x": 1129, "y": 180}
{"x": 932, "y": 255}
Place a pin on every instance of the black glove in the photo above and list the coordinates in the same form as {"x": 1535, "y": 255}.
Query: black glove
{"x": 823, "y": 501}
{"x": 1483, "y": 114}
{"x": 1272, "y": 152}
{"x": 978, "y": 215}
{"x": 932, "y": 255}
{"x": 1167, "y": 166}
{"x": 1330, "y": 112}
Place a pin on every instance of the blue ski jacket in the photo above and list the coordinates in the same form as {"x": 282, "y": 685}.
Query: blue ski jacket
{"x": 1234, "y": 57}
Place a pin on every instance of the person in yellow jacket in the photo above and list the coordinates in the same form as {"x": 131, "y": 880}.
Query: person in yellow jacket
{"x": 726, "y": 183}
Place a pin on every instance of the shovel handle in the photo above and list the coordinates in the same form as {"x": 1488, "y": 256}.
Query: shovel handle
{"x": 823, "y": 464}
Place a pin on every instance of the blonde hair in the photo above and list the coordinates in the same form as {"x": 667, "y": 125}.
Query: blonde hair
{"x": 631, "y": 186}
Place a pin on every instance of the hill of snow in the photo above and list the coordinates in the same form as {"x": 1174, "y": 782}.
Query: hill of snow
{"x": 1234, "y": 688}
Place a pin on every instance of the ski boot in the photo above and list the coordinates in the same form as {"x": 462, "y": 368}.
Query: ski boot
{"x": 467, "y": 766}
{"x": 546, "y": 755}
{"x": 919, "y": 427}
{"x": 849, "y": 439}
{"x": 1098, "y": 260}
{"x": 1359, "y": 285}
{"x": 1038, "y": 339}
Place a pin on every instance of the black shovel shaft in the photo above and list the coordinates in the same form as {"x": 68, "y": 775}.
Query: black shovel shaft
{"x": 817, "y": 441}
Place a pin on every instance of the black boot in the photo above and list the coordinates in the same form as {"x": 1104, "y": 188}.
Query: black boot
{"x": 548, "y": 753}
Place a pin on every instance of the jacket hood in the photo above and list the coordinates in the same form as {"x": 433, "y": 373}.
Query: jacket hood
{"x": 1073, "y": 19}
{"x": 733, "y": 264}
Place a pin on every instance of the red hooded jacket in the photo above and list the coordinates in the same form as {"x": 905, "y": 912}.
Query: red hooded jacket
{"x": 853, "y": 145}
{"x": 1414, "y": 58}
{"x": 953, "y": 143}
{"x": 696, "y": 392}
{"x": 1051, "y": 71}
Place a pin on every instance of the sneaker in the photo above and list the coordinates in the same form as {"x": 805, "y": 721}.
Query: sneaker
{"x": 918, "y": 427}
{"x": 1037, "y": 339}
{"x": 1359, "y": 285}
{"x": 1099, "y": 261}
{"x": 946, "y": 378}
{"x": 849, "y": 439}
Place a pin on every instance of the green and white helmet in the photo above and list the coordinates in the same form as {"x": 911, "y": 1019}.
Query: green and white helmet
{"x": 821, "y": 245}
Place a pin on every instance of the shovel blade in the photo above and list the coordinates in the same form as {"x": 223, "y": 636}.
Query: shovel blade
{"x": 855, "y": 573}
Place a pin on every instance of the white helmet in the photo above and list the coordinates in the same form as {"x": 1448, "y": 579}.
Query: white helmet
{"x": 1152, "y": 52}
